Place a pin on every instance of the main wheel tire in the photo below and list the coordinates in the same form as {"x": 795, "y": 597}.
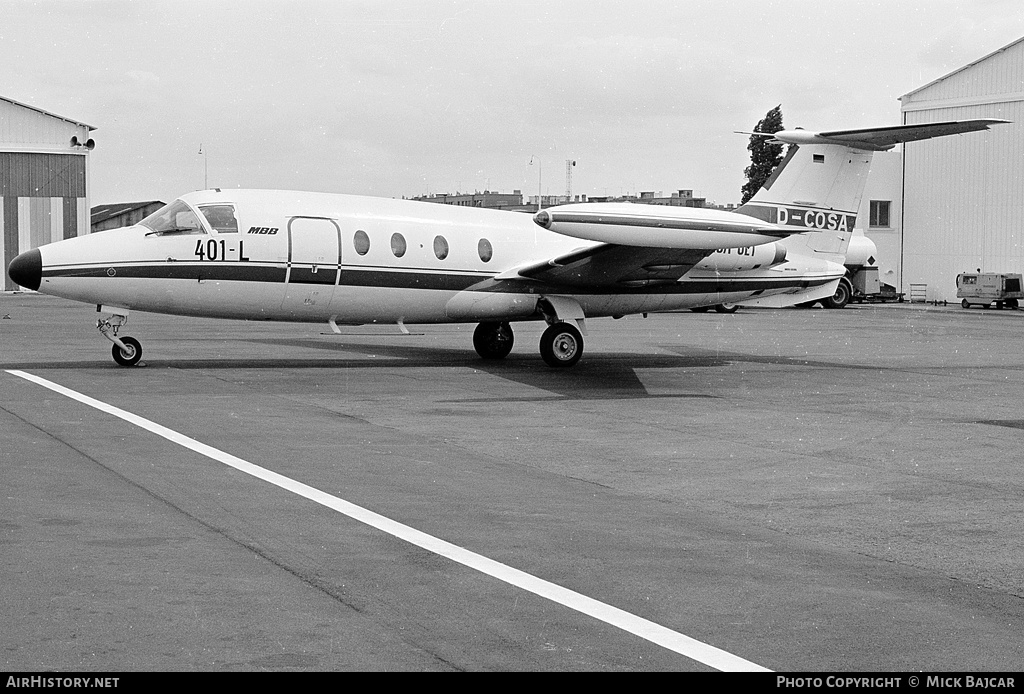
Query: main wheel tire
{"x": 130, "y": 357}
{"x": 965, "y": 303}
{"x": 561, "y": 345}
{"x": 727, "y": 308}
{"x": 841, "y": 298}
{"x": 493, "y": 340}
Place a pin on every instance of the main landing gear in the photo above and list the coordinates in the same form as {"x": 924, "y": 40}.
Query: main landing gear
{"x": 561, "y": 345}
{"x": 127, "y": 351}
{"x": 493, "y": 340}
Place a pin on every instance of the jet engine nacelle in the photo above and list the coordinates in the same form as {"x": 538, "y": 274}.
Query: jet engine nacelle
{"x": 490, "y": 306}
{"x": 746, "y": 258}
{"x": 690, "y": 228}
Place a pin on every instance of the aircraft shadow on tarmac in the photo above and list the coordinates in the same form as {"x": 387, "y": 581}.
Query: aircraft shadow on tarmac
{"x": 599, "y": 376}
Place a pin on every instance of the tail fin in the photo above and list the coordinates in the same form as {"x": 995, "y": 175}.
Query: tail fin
{"x": 819, "y": 184}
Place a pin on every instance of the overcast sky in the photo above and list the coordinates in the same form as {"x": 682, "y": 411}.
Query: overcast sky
{"x": 411, "y": 97}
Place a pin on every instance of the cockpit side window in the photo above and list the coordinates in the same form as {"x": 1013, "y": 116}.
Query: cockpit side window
{"x": 174, "y": 218}
{"x": 221, "y": 218}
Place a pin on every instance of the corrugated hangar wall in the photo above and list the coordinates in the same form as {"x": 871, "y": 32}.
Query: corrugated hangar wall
{"x": 963, "y": 197}
{"x": 43, "y": 179}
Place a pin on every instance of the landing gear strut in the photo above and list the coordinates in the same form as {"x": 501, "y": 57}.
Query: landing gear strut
{"x": 127, "y": 351}
{"x": 561, "y": 345}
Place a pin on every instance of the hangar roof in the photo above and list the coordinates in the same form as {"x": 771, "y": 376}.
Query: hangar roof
{"x": 47, "y": 113}
{"x": 101, "y": 213}
{"x": 961, "y": 69}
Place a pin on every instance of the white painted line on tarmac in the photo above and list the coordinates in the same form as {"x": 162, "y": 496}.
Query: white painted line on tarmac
{"x": 645, "y": 629}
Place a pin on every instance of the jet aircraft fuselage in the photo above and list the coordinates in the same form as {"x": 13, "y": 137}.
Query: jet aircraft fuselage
{"x": 322, "y": 257}
{"x": 296, "y": 256}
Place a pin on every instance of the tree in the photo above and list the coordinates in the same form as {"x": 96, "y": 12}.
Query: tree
{"x": 765, "y": 155}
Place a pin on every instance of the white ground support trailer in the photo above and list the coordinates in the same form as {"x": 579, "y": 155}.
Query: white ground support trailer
{"x": 985, "y": 288}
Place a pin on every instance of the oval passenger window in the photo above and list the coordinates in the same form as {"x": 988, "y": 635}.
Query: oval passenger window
{"x": 361, "y": 242}
{"x": 398, "y": 245}
{"x": 485, "y": 250}
{"x": 440, "y": 247}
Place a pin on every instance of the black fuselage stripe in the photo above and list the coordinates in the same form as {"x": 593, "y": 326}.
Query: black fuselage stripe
{"x": 176, "y": 271}
{"x": 238, "y": 272}
{"x": 397, "y": 279}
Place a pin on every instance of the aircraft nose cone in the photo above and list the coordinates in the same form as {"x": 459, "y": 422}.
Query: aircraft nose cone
{"x": 27, "y": 269}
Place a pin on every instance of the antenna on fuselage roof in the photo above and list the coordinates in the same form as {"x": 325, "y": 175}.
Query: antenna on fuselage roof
{"x": 206, "y": 168}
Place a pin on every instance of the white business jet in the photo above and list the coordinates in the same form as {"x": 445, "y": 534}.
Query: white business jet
{"x": 346, "y": 260}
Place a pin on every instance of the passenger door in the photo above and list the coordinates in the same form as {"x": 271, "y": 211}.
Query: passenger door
{"x": 314, "y": 265}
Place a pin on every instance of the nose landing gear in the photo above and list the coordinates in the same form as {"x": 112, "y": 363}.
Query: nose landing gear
{"x": 130, "y": 354}
{"x": 127, "y": 351}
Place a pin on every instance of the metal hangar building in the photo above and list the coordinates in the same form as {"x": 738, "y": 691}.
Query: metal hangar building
{"x": 44, "y": 174}
{"x": 124, "y": 214}
{"x": 963, "y": 196}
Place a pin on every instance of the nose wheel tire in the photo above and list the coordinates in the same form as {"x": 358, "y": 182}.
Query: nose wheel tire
{"x": 561, "y": 345}
{"x": 130, "y": 357}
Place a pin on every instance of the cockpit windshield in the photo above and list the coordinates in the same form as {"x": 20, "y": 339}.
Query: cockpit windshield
{"x": 174, "y": 218}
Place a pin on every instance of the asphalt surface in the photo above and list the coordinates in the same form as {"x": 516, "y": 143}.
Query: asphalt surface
{"x": 807, "y": 490}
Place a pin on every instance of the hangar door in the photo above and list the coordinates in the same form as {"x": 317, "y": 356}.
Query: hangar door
{"x": 314, "y": 263}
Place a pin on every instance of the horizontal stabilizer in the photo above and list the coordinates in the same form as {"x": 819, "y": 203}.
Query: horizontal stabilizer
{"x": 883, "y": 138}
{"x": 653, "y": 226}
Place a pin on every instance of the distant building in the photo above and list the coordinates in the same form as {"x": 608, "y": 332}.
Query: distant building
{"x": 122, "y": 214}
{"x": 680, "y": 198}
{"x": 44, "y": 190}
{"x": 530, "y": 205}
{"x": 486, "y": 199}
{"x": 515, "y": 201}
